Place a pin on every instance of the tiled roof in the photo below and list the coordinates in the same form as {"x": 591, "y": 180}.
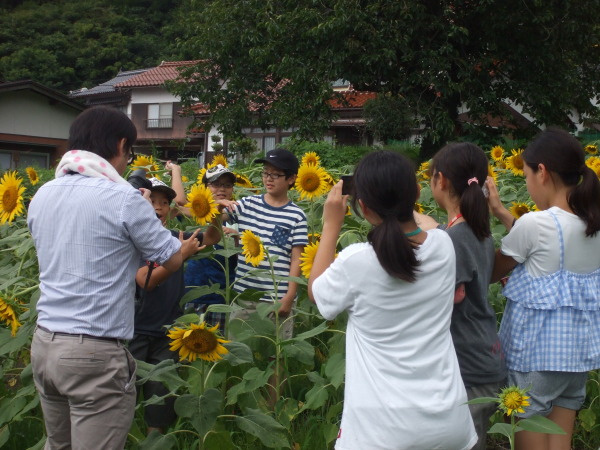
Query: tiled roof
{"x": 108, "y": 86}
{"x": 157, "y": 75}
{"x": 353, "y": 99}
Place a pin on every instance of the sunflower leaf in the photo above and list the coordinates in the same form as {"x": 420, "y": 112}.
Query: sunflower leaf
{"x": 335, "y": 369}
{"x": 539, "y": 424}
{"x": 202, "y": 411}
{"x": 158, "y": 441}
{"x": 164, "y": 372}
{"x": 253, "y": 379}
{"x": 270, "y": 432}
{"x": 299, "y": 350}
{"x": 501, "y": 428}
{"x": 239, "y": 353}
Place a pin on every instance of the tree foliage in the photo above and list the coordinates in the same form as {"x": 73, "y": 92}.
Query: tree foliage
{"x": 271, "y": 63}
{"x": 69, "y": 44}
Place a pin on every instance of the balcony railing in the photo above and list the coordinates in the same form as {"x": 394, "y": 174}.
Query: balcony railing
{"x": 159, "y": 123}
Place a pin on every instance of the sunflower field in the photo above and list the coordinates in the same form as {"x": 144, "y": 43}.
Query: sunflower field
{"x": 244, "y": 387}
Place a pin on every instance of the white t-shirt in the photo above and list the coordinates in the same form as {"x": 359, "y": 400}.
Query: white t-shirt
{"x": 534, "y": 241}
{"x": 403, "y": 385}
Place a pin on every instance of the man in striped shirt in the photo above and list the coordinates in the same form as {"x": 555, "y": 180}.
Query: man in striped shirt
{"x": 282, "y": 228}
{"x": 91, "y": 230}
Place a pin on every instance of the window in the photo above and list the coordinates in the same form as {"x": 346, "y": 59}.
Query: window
{"x": 18, "y": 160}
{"x": 160, "y": 115}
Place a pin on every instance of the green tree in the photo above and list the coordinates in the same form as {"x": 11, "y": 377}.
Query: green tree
{"x": 271, "y": 63}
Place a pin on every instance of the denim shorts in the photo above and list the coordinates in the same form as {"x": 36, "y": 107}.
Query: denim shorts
{"x": 548, "y": 389}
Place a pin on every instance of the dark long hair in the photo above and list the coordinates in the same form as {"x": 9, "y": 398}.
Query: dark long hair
{"x": 462, "y": 162}
{"x": 99, "y": 130}
{"x": 563, "y": 155}
{"x": 385, "y": 182}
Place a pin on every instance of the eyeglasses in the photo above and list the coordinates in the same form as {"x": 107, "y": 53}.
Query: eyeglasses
{"x": 272, "y": 176}
{"x": 131, "y": 155}
{"x": 221, "y": 185}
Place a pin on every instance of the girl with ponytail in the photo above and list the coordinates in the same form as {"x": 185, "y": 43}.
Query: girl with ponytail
{"x": 402, "y": 375}
{"x": 550, "y": 330}
{"x": 458, "y": 176}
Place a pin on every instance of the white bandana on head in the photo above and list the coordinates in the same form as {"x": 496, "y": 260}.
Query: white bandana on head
{"x": 88, "y": 164}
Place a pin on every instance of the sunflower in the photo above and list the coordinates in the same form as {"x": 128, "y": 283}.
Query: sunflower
{"x": 7, "y": 314}
{"x": 201, "y": 174}
{"x": 307, "y": 258}
{"x": 594, "y": 164}
{"x": 147, "y": 163}
{"x": 198, "y": 341}
{"x": 423, "y": 171}
{"x": 218, "y": 159}
{"x": 11, "y": 197}
{"x": 201, "y": 203}
{"x": 243, "y": 181}
{"x": 184, "y": 179}
{"x": 330, "y": 181}
{"x": 513, "y": 399}
{"x": 419, "y": 208}
{"x": 311, "y": 181}
{"x": 492, "y": 173}
{"x": 591, "y": 149}
{"x": 501, "y": 164}
{"x": 313, "y": 237}
{"x": 515, "y": 162}
{"x": 518, "y": 209}
{"x": 252, "y": 248}
{"x": 311, "y": 159}
{"x": 33, "y": 175}
{"x": 497, "y": 153}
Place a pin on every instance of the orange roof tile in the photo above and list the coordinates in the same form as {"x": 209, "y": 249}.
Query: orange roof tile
{"x": 157, "y": 75}
{"x": 353, "y": 99}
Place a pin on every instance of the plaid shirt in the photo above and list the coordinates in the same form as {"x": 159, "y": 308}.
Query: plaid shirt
{"x": 552, "y": 322}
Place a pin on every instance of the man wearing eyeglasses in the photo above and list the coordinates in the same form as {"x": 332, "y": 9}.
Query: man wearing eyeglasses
{"x": 91, "y": 230}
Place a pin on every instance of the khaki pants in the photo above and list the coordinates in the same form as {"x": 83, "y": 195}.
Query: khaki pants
{"x": 87, "y": 390}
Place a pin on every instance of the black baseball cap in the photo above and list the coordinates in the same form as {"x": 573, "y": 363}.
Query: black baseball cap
{"x": 282, "y": 159}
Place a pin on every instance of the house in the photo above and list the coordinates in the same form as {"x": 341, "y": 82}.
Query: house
{"x": 34, "y": 124}
{"x": 155, "y": 112}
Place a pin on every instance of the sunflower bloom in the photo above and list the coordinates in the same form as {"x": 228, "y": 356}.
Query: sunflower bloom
{"x": 307, "y": 258}
{"x": 518, "y": 209}
{"x": 591, "y": 149}
{"x": 201, "y": 174}
{"x": 11, "y": 197}
{"x": 7, "y": 315}
{"x": 311, "y": 159}
{"x": 594, "y": 164}
{"x": 184, "y": 178}
{"x": 198, "y": 341}
{"x": 218, "y": 159}
{"x": 492, "y": 173}
{"x": 497, "y": 153}
{"x": 201, "y": 203}
{"x": 147, "y": 163}
{"x": 33, "y": 175}
{"x": 419, "y": 208}
{"x": 252, "y": 248}
{"x": 243, "y": 181}
{"x": 423, "y": 171}
{"x": 311, "y": 182}
{"x": 513, "y": 399}
{"x": 515, "y": 162}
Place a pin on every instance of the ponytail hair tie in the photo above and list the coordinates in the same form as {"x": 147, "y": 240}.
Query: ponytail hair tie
{"x": 472, "y": 180}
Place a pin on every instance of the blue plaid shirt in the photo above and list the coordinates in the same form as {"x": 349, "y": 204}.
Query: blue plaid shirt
{"x": 552, "y": 322}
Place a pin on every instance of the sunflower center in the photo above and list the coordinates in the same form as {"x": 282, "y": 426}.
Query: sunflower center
{"x": 513, "y": 400}
{"x": 200, "y": 206}
{"x": 253, "y": 247}
{"x": 311, "y": 182}
{"x": 9, "y": 199}
{"x": 520, "y": 210}
{"x": 518, "y": 162}
{"x": 201, "y": 341}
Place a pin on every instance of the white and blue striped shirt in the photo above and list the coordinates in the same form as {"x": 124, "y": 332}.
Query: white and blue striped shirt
{"x": 91, "y": 235}
{"x": 280, "y": 229}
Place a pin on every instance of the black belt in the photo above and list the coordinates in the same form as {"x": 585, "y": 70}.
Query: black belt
{"x": 86, "y": 336}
